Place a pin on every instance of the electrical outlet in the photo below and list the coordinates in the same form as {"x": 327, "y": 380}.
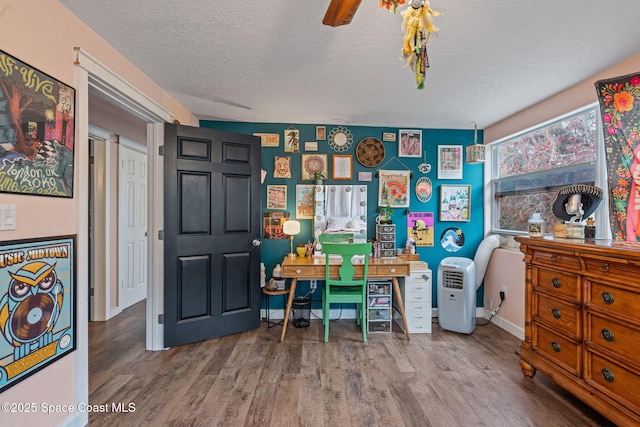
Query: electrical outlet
{"x": 504, "y": 290}
{"x": 489, "y": 303}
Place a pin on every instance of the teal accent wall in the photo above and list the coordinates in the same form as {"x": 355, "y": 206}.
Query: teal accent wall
{"x": 273, "y": 251}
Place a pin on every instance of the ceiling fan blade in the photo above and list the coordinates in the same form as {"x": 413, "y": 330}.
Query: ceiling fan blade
{"x": 340, "y": 12}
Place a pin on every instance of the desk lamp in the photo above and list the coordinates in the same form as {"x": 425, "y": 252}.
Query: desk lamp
{"x": 291, "y": 228}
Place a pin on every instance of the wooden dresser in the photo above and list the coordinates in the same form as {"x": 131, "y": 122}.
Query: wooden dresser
{"x": 582, "y": 321}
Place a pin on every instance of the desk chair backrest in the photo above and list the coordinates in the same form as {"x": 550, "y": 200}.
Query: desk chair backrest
{"x": 335, "y": 238}
{"x": 347, "y": 269}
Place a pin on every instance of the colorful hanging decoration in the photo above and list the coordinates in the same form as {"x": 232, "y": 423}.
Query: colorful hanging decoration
{"x": 388, "y": 3}
{"x": 418, "y": 26}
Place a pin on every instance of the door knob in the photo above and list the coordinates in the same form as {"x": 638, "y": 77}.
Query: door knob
{"x": 256, "y": 242}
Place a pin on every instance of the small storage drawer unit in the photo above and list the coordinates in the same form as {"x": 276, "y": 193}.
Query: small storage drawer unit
{"x": 582, "y": 321}
{"x": 386, "y": 235}
{"x": 416, "y": 296}
{"x": 379, "y": 306}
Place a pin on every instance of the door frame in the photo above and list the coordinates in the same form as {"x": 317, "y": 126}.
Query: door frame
{"x": 93, "y": 76}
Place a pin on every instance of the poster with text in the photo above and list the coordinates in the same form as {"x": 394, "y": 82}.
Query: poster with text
{"x": 37, "y": 305}
{"x": 420, "y": 228}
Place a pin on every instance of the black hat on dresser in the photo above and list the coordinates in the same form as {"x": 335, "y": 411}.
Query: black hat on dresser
{"x": 576, "y": 202}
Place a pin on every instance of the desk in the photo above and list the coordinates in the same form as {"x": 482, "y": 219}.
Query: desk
{"x": 312, "y": 268}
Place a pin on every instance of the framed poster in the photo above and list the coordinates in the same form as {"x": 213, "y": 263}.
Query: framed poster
{"x": 304, "y": 201}
{"x": 342, "y": 167}
{"x": 291, "y": 140}
{"x": 273, "y": 225}
{"x": 277, "y": 197}
{"x": 311, "y": 146}
{"x": 393, "y": 188}
{"x": 313, "y": 165}
{"x": 36, "y": 143}
{"x": 37, "y": 305}
{"x": 321, "y": 132}
{"x": 449, "y": 161}
{"x": 388, "y": 137}
{"x": 455, "y": 202}
{"x": 410, "y": 143}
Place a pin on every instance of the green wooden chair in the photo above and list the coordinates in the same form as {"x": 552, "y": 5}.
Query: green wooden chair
{"x": 335, "y": 238}
{"x": 346, "y": 288}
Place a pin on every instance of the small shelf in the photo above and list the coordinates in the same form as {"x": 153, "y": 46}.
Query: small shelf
{"x": 379, "y": 306}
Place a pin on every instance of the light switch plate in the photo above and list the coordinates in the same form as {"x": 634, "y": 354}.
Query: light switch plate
{"x": 7, "y": 217}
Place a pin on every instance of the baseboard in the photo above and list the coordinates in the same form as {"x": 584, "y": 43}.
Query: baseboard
{"x": 512, "y": 328}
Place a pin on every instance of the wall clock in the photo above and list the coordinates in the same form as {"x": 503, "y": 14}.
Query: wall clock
{"x": 340, "y": 139}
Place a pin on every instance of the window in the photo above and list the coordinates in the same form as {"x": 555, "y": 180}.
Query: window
{"x": 529, "y": 168}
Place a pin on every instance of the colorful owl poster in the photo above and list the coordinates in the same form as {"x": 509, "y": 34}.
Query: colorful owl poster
{"x": 37, "y": 305}
{"x": 36, "y": 131}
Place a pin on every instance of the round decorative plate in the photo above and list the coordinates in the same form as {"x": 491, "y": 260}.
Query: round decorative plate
{"x": 370, "y": 152}
{"x": 424, "y": 189}
{"x": 340, "y": 139}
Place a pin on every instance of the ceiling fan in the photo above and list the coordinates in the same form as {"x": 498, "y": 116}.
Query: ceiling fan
{"x": 340, "y": 12}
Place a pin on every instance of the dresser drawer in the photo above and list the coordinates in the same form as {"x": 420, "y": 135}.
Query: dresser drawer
{"x": 387, "y": 237}
{"x": 386, "y": 228}
{"x": 559, "y": 314}
{"x": 416, "y": 297}
{"x": 613, "y": 379}
{"x": 607, "y": 268}
{"x": 606, "y": 298}
{"x": 556, "y": 348}
{"x": 387, "y": 245}
{"x": 301, "y": 271}
{"x": 557, "y": 282}
{"x": 559, "y": 259}
{"x": 613, "y": 336}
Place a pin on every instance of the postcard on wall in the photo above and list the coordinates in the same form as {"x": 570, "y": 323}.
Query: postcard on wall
{"x": 449, "y": 161}
{"x": 311, "y": 146}
{"x": 393, "y": 188}
{"x": 37, "y": 131}
{"x": 388, "y": 137}
{"x": 37, "y": 305}
{"x": 410, "y": 143}
{"x": 273, "y": 225}
{"x": 321, "y": 132}
{"x": 282, "y": 167}
{"x": 420, "y": 227}
{"x": 268, "y": 139}
{"x": 364, "y": 176}
{"x": 304, "y": 201}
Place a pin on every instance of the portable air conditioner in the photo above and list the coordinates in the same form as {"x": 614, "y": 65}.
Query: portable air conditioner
{"x": 457, "y": 295}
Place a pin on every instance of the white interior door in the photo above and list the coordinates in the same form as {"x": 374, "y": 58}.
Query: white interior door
{"x": 132, "y": 224}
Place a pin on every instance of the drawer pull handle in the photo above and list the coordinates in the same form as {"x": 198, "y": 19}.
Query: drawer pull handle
{"x": 604, "y": 267}
{"x": 555, "y": 346}
{"x": 417, "y": 288}
{"x": 425, "y": 277}
{"x": 607, "y": 297}
{"x": 554, "y": 258}
{"x": 419, "y": 308}
{"x": 393, "y": 270}
{"x": 298, "y": 271}
{"x": 556, "y": 282}
{"x": 607, "y": 375}
{"x": 607, "y": 334}
{"x": 417, "y": 298}
{"x": 556, "y": 313}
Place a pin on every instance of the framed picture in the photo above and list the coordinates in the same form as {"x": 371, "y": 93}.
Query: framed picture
{"x": 364, "y": 176}
{"x": 268, "y": 139}
{"x": 455, "y": 203}
{"x": 449, "y": 161}
{"x": 410, "y": 143}
{"x": 38, "y": 142}
{"x": 291, "y": 140}
{"x": 37, "y": 305}
{"x": 388, "y": 137}
{"x": 311, "y": 146}
{"x": 277, "y": 197}
{"x": 342, "y": 167}
{"x": 313, "y": 164}
{"x": 304, "y": 201}
{"x": 321, "y": 132}
{"x": 393, "y": 188}
{"x": 420, "y": 227}
{"x": 282, "y": 167}
{"x": 273, "y": 225}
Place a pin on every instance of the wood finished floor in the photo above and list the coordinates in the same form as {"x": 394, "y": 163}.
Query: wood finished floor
{"x": 252, "y": 379}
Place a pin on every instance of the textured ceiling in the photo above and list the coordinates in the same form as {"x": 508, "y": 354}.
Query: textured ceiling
{"x": 274, "y": 61}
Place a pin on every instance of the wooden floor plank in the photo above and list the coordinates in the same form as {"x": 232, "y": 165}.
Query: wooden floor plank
{"x": 252, "y": 379}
